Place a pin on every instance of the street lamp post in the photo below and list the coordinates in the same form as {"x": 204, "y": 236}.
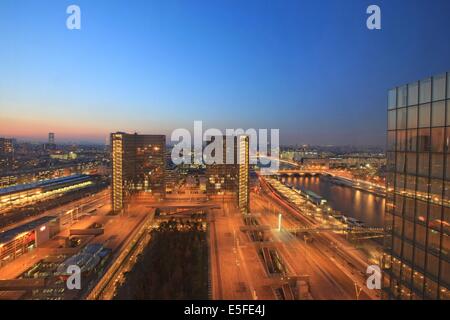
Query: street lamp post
{"x": 357, "y": 290}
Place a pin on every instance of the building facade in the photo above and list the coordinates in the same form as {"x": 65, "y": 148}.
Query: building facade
{"x": 6, "y": 154}
{"x": 19, "y": 240}
{"x": 244, "y": 174}
{"x": 223, "y": 176}
{"x": 138, "y": 166}
{"x": 50, "y": 145}
{"x": 232, "y": 174}
{"x": 51, "y": 138}
{"x": 417, "y": 219}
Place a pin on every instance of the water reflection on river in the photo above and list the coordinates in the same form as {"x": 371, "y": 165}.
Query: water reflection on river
{"x": 351, "y": 202}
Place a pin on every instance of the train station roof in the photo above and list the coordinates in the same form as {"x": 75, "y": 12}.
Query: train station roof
{"x": 9, "y": 235}
{"x": 44, "y": 183}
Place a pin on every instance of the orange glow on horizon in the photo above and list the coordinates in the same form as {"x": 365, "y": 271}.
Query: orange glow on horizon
{"x": 39, "y": 129}
{"x": 73, "y": 130}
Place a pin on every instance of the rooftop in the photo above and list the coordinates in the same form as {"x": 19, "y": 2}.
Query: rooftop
{"x": 44, "y": 183}
{"x": 7, "y": 236}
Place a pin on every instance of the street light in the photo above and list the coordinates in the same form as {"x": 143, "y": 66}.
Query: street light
{"x": 357, "y": 290}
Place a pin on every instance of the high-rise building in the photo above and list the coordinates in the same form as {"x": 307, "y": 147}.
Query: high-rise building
{"x": 50, "y": 145}
{"x": 138, "y": 166}
{"x": 244, "y": 174}
{"x": 6, "y": 154}
{"x": 51, "y": 138}
{"x": 222, "y": 177}
{"x": 417, "y": 219}
{"x": 232, "y": 175}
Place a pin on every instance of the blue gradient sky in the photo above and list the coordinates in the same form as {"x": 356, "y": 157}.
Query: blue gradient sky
{"x": 310, "y": 68}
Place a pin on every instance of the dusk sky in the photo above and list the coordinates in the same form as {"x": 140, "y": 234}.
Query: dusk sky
{"x": 309, "y": 68}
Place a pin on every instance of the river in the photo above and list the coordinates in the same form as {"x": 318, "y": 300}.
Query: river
{"x": 354, "y": 203}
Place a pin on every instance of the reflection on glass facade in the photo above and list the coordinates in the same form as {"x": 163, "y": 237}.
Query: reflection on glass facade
{"x": 223, "y": 177}
{"x": 232, "y": 174}
{"x": 417, "y": 219}
{"x": 138, "y": 165}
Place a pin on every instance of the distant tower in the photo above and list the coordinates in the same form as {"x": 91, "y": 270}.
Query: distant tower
{"x": 6, "y": 154}
{"x": 51, "y": 138}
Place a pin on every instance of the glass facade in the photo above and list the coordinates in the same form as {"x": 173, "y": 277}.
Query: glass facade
{"x": 232, "y": 174}
{"x": 417, "y": 220}
{"x": 138, "y": 165}
{"x": 223, "y": 177}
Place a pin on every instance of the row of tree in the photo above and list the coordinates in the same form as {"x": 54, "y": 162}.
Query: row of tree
{"x": 173, "y": 266}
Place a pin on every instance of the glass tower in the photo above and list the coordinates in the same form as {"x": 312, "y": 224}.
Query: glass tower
{"x": 416, "y": 249}
{"x": 138, "y": 166}
{"x": 232, "y": 174}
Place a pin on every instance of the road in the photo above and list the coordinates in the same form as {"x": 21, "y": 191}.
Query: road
{"x": 335, "y": 269}
{"x": 332, "y": 263}
{"x": 237, "y": 271}
{"x": 125, "y": 257}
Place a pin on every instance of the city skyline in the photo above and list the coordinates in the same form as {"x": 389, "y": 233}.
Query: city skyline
{"x": 233, "y": 151}
{"x": 319, "y": 76}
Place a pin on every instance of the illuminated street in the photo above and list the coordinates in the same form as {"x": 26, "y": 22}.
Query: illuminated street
{"x": 225, "y": 158}
{"x": 243, "y": 274}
